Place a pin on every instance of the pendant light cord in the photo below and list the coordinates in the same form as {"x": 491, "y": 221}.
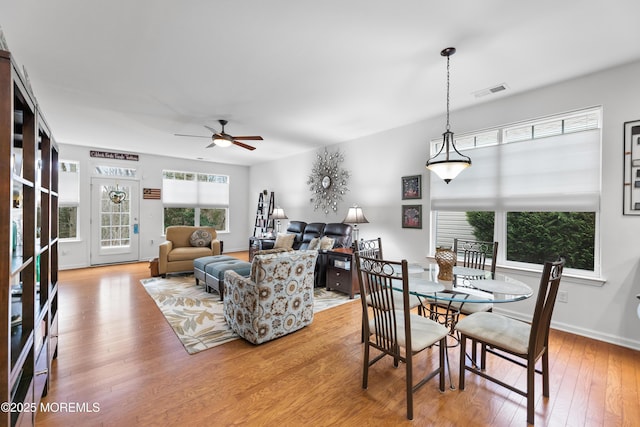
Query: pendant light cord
{"x": 448, "y": 127}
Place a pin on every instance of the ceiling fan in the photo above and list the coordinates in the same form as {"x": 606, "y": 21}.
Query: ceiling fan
{"x": 222, "y": 139}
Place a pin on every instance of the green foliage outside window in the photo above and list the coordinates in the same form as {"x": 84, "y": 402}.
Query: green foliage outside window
{"x": 536, "y": 237}
{"x": 207, "y": 217}
{"x": 68, "y": 222}
{"x": 213, "y": 218}
{"x": 179, "y": 216}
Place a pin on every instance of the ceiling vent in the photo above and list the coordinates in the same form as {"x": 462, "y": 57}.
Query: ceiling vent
{"x": 491, "y": 90}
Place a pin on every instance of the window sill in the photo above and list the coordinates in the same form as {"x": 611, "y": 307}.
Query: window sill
{"x": 575, "y": 278}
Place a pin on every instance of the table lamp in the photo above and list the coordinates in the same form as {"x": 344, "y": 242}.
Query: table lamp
{"x": 355, "y": 216}
{"x": 278, "y": 214}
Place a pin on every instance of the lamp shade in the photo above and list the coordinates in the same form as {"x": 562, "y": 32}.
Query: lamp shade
{"x": 222, "y": 142}
{"x": 278, "y": 213}
{"x": 355, "y": 216}
{"x": 448, "y": 169}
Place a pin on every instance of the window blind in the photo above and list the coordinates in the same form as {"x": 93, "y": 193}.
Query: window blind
{"x": 194, "y": 192}
{"x": 557, "y": 173}
{"x": 69, "y": 183}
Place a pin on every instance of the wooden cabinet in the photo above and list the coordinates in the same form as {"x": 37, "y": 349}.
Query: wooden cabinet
{"x": 341, "y": 274}
{"x": 28, "y": 246}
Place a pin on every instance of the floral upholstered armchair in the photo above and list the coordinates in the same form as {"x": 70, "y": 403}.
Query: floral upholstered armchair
{"x": 275, "y": 300}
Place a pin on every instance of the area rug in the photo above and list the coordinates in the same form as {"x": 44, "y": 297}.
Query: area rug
{"x": 197, "y": 316}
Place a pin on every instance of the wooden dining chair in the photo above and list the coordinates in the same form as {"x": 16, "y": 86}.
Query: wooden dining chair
{"x": 372, "y": 248}
{"x": 508, "y": 337}
{"x": 470, "y": 254}
{"x": 476, "y": 254}
{"x": 393, "y": 329}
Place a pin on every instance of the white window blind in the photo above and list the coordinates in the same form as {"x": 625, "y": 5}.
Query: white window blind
{"x": 186, "y": 189}
{"x": 68, "y": 183}
{"x": 553, "y": 174}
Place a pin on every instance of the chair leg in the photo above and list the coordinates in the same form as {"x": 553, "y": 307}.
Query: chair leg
{"x": 483, "y": 356}
{"x": 444, "y": 356}
{"x": 463, "y": 345}
{"x": 409, "y": 381}
{"x": 531, "y": 372}
{"x": 365, "y": 367}
{"x": 545, "y": 372}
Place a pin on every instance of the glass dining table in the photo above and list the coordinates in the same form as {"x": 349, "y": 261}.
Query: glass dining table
{"x": 470, "y": 290}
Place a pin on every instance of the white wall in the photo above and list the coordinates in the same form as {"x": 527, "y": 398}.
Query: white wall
{"x": 377, "y": 162}
{"x": 76, "y": 254}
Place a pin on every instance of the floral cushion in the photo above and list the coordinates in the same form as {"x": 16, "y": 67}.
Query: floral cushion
{"x": 200, "y": 238}
{"x": 275, "y": 300}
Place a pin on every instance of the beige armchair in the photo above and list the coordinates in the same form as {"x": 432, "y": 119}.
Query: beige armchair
{"x": 177, "y": 252}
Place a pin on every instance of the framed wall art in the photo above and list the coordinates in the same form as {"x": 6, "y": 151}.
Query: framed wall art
{"x": 631, "y": 180}
{"x": 412, "y": 187}
{"x": 411, "y": 216}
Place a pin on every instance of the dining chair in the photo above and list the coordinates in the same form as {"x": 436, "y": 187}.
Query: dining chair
{"x": 508, "y": 337}
{"x": 475, "y": 253}
{"x": 393, "y": 329}
{"x": 372, "y": 248}
{"x": 470, "y": 255}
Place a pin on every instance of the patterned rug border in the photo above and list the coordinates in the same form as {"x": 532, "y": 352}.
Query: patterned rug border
{"x": 196, "y": 316}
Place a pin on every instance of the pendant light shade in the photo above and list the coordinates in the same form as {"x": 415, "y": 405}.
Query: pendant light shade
{"x": 448, "y": 161}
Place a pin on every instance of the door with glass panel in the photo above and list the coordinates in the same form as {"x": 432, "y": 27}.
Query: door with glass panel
{"x": 114, "y": 220}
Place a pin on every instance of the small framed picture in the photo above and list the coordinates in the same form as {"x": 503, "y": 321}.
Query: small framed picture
{"x": 411, "y": 216}
{"x": 412, "y": 187}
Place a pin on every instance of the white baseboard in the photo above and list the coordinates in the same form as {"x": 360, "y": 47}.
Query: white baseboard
{"x": 589, "y": 333}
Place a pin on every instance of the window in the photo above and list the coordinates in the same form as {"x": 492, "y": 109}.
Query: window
{"x": 69, "y": 199}
{"x": 537, "y": 192}
{"x": 199, "y": 199}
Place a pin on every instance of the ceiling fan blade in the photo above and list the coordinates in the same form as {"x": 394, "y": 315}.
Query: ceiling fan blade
{"x": 213, "y": 144}
{"x": 211, "y": 129}
{"x": 191, "y": 136}
{"x": 240, "y": 144}
{"x": 252, "y": 138}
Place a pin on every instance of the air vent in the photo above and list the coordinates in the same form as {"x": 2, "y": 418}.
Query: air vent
{"x": 491, "y": 90}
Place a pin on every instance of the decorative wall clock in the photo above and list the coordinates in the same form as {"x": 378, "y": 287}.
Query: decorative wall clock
{"x": 328, "y": 181}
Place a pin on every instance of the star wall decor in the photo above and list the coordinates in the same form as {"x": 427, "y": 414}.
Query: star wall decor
{"x": 328, "y": 181}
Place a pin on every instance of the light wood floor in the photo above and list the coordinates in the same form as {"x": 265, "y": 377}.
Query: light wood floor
{"x": 116, "y": 350}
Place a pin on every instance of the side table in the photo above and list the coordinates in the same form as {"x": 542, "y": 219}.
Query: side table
{"x": 341, "y": 274}
{"x": 255, "y": 244}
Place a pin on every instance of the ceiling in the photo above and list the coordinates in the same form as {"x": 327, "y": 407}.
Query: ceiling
{"x": 127, "y": 75}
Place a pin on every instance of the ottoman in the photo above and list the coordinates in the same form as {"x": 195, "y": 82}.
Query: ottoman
{"x": 214, "y": 273}
{"x": 200, "y": 263}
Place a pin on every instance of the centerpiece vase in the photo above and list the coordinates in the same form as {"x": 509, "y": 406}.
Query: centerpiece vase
{"x": 445, "y": 258}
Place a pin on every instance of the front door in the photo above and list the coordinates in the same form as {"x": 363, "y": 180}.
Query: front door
{"x": 114, "y": 220}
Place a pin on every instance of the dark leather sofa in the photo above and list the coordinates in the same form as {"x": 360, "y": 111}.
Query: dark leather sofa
{"x": 340, "y": 233}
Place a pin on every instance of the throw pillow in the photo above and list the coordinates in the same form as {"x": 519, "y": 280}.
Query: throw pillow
{"x": 326, "y": 243}
{"x": 200, "y": 238}
{"x": 314, "y": 244}
{"x": 284, "y": 241}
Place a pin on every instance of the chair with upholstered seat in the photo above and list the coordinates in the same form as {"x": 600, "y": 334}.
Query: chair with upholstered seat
{"x": 372, "y": 248}
{"x": 509, "y": 337}
{"x": 393, "y": 329}
{"x": 472, "y": 257}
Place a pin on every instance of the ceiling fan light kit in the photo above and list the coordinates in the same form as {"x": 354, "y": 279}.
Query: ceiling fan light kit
{"x": 223, "y": 140}
{"x": 446, "y": 165}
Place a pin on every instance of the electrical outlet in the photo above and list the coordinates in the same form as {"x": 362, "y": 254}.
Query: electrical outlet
{"x": 563, "y": 296}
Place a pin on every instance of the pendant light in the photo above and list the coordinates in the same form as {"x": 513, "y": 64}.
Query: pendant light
{"x": 445, "y": 163}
